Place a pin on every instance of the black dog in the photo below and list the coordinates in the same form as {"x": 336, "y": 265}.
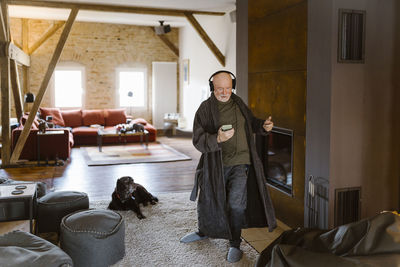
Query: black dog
{"x": 128, "y": 195}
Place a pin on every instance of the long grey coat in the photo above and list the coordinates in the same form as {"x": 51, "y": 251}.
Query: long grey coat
{"x": 211, "y": 205}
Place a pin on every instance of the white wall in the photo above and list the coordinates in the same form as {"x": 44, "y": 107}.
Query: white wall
{"x": 202, "y": 62}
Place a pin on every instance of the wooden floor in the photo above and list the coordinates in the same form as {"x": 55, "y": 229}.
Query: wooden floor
{"x": 99, "y": 181}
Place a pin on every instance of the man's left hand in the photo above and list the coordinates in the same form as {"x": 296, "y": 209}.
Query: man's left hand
{"x": 268, "y": 124}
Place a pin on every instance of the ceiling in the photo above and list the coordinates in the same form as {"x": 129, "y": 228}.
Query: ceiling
{"x": 125, "y": 18}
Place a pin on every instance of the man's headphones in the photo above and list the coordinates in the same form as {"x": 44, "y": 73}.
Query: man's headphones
{"x": 222, "y": 71}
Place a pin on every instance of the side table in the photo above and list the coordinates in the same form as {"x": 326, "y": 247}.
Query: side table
{"x": 39, "y": 135}
{"x": 15, "y": 207}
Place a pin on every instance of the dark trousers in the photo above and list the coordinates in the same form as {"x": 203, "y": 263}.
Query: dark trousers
{"x": 236, "y": 196}
{"x": 235, "y": 178}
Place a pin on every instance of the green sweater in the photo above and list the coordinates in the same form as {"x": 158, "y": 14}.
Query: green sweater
{"x": 235, "y": 150}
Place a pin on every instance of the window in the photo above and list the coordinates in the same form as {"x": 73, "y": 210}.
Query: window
{"x": 351, "y": 36}
{"x": 68, "y": 86}
{"x": 131, "y": 84}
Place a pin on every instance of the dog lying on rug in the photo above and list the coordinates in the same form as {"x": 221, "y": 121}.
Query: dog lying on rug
{"x": 128, "y": 195}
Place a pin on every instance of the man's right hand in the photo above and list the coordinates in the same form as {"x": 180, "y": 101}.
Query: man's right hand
{"x": 224, "y": 135}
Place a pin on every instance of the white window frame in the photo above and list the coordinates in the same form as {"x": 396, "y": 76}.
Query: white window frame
{"x": 145, "y": 93}
{"x": 70, "y": 66}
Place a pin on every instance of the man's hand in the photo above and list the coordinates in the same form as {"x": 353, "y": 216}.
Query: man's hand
{"x": 224, "y": 135}
{"x": 268, "y": 124}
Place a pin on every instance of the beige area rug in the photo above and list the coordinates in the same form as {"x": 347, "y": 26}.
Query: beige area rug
{"x": 154, "y": 241}
{"x": 131, "y": 153}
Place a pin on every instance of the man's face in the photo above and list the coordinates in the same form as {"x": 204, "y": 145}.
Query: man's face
{"x": 222, "y": 86}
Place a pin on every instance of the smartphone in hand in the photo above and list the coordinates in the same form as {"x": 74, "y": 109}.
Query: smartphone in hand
{"x": 226, "y": 127}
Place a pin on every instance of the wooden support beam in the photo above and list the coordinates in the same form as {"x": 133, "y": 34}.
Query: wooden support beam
{"x": 15, "y": 53}
{"x": 168, "y": 43}
{"x": 52, "y": 65}
{"x": 16, "y": 89}
{"x": 5, "y": 23}
{"x": 25, "y": 75}
{"x": 45, "y": 37}
{"x": 25, "y": 35}
{"x": 3, "y": 30}
{"x": 113, "y": 8}
{"x": 25, "y": 48}
{"x": 5, "y": 86}
{"x": 214, "y": 49}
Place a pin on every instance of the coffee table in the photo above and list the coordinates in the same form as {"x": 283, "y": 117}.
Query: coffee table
{"x": 15, "y": 207}
{"x": 101, "y": 133}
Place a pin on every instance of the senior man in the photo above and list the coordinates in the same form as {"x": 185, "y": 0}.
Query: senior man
{"x": 230, "y": 176}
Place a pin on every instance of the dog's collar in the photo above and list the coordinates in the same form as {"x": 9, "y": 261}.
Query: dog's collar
{"x": 118, "y": 196}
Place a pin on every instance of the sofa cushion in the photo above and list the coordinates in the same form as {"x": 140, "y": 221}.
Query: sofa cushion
{"x": 55, "y": 113}
{"x": 84, "y": 131}
{"x": 114, "y": 116}
{"x": 93, "y": 116}
{"x": 72, "y": 118}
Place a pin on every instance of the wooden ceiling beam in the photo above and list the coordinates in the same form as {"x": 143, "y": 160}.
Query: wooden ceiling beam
{"x": 214, "y": 49}
{"x": 45, "y": 37}
{"x": 38, "y": 100}
{"x": 113, "y": 8}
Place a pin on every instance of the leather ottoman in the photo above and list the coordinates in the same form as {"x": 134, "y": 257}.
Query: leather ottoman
{"x": 51, "y": 208}
{"x": 93, "y": 237}
{"x": 21, "y": 249}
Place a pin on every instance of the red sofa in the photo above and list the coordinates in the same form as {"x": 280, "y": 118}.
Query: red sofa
{"x": 82, "y": 134}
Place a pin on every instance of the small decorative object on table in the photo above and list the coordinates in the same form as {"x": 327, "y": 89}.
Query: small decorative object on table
{"x": 49, "y": 120}
{"x": 42, "y": 125}
{"x": 131, "y": 127}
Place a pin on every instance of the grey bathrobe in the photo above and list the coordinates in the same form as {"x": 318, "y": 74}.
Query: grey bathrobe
{"x": 211, "y": 206}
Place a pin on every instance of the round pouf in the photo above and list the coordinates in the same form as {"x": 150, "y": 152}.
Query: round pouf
{"x": 51, "y": 208}
{"x": 93, "y": 237}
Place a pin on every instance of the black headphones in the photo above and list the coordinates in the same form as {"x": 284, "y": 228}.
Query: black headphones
{"x": 222, "y": 71}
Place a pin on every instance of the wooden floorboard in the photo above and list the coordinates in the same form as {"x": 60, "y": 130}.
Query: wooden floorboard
{"x": 99, "y": 181}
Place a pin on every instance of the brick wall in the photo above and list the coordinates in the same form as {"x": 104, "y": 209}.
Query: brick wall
{"x": 100, "y": 48}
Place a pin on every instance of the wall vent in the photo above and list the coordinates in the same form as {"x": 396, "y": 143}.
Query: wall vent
{"x": 347, "y": 205}
{"x": 351, "y": 48}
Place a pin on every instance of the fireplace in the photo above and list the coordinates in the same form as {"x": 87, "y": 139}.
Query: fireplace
{"x": 277, "y": 156}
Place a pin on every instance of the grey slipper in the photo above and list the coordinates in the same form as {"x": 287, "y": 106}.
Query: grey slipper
{"x": 192, "y": 237}
{"x": 234, "y": 254}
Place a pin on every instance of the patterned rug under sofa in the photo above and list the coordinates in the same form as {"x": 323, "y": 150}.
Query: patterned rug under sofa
{"x": 131, "y": 153}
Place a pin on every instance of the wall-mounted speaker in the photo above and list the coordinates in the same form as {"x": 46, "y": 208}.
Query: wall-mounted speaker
{"x": 162, "y": 29}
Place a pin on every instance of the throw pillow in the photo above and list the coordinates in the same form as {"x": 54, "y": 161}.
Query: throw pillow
{"x": 139, "y": 120}
{"x": 55, "y": 113}
{"x": 114, "y": 116}
{"x": 72, "y": 118}
{"x": 94, "y": 116}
